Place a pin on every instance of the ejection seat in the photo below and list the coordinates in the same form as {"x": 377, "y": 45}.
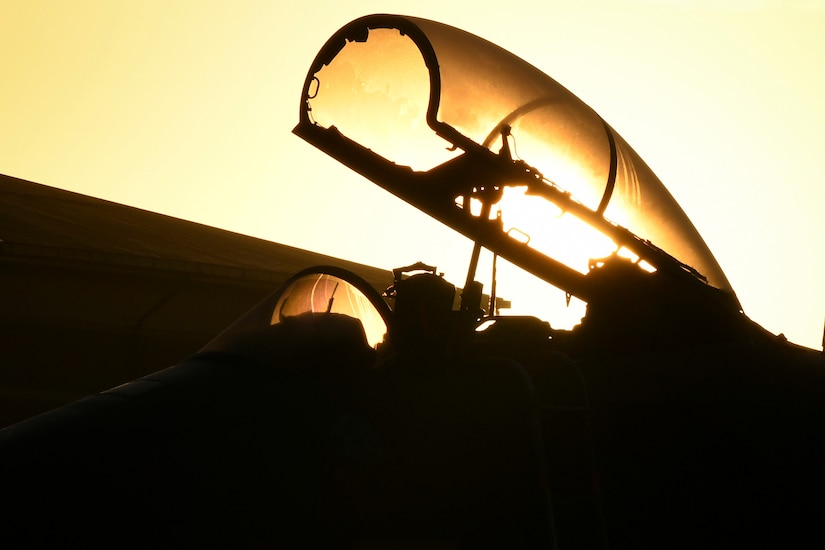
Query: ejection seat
{"x": 461, "y": 458}
{"x": 566, "y": 423}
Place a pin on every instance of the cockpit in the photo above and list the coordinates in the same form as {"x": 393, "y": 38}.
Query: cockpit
{"x": 492, "y": 147}
{"x": 437, "y": 418}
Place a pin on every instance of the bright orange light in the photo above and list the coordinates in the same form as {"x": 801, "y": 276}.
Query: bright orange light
{"x": 529, "y": 295}
{"x": 319, "y": 293}
{"x": 377, "y": 93}
{"x": 625, "y": 253}
{"x": 552, "y": 232}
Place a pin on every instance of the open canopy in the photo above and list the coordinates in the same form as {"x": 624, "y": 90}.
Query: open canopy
{"x": 493, "y": 147}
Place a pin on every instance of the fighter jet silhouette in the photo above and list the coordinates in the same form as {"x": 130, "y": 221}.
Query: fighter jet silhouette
{"x": 332, "y": 416}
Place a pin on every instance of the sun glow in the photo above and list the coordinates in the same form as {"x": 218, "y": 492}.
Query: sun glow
{"x": 324, "y": 293}
{"x": 160, "y": 105}
{"x": 377, "y": 93}
{"x": 546, "y": 228}
{"x": 529, "y": 295}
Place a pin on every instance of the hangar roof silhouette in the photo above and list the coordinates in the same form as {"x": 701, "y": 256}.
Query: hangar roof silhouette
{"x": 96, "y": 293}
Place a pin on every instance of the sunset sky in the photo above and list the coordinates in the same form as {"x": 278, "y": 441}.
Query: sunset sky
{"x": 186, "y": 108}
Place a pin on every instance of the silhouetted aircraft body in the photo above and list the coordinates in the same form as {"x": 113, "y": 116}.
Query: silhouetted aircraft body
{"x": 331, "y": 416}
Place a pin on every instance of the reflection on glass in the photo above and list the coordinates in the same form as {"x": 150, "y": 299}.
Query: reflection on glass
{"x": 376, "y": 93}
{"x": 572, "y": 153}
{"x": 324, "y": 293}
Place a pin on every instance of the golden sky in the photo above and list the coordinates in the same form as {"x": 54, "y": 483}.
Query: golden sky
{"x": 186, "y": 107}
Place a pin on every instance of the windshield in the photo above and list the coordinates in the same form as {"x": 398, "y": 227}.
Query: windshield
{"x": 325, "y": 293}
{"x": 317, "y": 290}
{"x": 416, "y": 93}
